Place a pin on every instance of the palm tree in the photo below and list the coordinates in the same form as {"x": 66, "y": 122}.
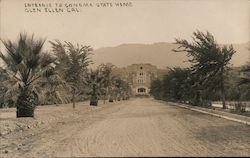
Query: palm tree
{"x": 74, "y": 61}
{"x": 27, "y": 64}
{"x": 95, "y": 82}
{"x": 106, "y": 71}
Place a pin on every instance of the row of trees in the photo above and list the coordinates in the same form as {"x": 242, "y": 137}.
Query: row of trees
{"x": 32, "y": 76}
{"x": 206, "y": 79}
{"x": 107, "y": 85}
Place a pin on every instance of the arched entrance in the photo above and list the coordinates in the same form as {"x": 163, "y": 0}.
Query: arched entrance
{"x": 141, "y": 90}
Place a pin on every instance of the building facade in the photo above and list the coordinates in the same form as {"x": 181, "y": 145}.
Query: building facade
{"x": 139, "y": 77}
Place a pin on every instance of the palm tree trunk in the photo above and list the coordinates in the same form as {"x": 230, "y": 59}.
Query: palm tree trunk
{"x": 104, "y": 99}
{"x": 111, "y": 99}
{"x": 94, "y": 97}
{"x": 25, "y": 106}
{"x": 73, "y": 98}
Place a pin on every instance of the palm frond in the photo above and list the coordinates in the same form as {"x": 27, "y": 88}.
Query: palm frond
{"x": 14, "y": 89}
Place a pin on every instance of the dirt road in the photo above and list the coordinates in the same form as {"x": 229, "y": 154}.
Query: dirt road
{"x": 138, "y": 127}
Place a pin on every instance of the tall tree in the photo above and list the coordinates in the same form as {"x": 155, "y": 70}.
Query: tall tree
{"x": 244, "y": 81}
{"x": 106, "y": 71}
{"x": 26, "y": 63}
{"x": 209, "y": 61}
{"x": 95, "y": 82}
{"x": 73, "y": 64}
{"x": 156, "y": 89}
{"x": 121, "y": 88}
{"x": 175, "y": 85}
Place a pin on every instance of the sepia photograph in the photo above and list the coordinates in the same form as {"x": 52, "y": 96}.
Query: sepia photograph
{"x": 124, "y": 78}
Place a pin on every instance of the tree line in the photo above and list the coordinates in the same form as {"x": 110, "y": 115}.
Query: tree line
{"x": 207, "y": 79}
{"x": 31, "y": 76}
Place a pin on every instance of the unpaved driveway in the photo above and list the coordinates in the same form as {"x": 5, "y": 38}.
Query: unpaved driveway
{"x": 138, "y": 127}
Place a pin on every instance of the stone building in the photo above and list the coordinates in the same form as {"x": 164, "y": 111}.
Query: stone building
{"x": 139, "y": 76}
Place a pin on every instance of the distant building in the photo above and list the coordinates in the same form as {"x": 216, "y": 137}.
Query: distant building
{"x": 140, "y": 76}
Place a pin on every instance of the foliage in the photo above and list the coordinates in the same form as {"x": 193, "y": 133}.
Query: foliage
{"x": 113, "y": 86}
{"x": 103, "y": 83}
{"x": 52, "y": 87}
{"x": 95, "y": 82}
{"x": 5, "y": 84}
{"x": 156, "y": 89}
{"x": 175, "y": 85}
{"x": 205, "y": 80}
{"x": 73, "y": 63}
{"x": 244, "y": 81}
{"x": 121, "y": 89}
{"x": 26, "y": 64}
{"x": 209, "y": 62}
{"x": 106, "y": 72}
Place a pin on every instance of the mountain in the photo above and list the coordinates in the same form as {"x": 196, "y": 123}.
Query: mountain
{"x": 159, "y": 54}
{"x": 242, "y": 54}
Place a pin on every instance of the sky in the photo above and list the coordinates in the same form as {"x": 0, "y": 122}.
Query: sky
{"x": 144, "y": 21}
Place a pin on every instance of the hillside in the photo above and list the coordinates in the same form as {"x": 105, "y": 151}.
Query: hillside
{"x": 159, "y": 54}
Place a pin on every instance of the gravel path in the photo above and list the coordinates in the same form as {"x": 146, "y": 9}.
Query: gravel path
{"x": 138, "y": 127}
